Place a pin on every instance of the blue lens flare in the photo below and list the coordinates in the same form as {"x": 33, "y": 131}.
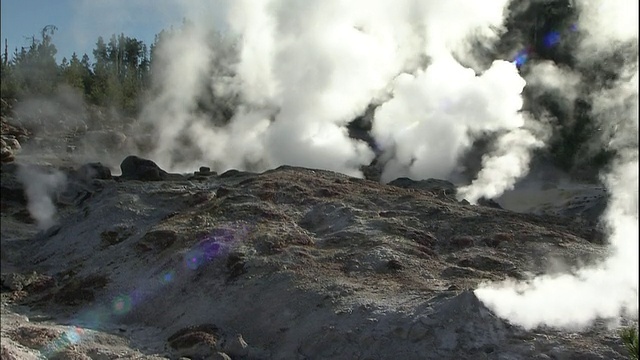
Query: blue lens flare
{"x": 521, "y": 58}
{"x": 551, "y": 39}
{"x": 210, "y": 246}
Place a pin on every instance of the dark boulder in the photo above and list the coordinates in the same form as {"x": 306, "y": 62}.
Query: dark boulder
{"x": 93, "y": 171}
{"x": 136, "y": 168}
{"x": 489, "y": 203}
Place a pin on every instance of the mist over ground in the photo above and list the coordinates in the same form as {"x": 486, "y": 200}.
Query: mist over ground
{"x": 502, "y": 81}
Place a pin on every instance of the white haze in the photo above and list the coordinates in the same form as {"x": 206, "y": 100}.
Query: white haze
{"x": 609, "y": 289}
{"x": 40, "y": 187}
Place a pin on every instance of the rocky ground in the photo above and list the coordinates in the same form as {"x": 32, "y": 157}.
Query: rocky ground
{"x": 292, "y": 263}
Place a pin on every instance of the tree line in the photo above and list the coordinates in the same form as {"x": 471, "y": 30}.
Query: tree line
{"x": 118, "y": 74}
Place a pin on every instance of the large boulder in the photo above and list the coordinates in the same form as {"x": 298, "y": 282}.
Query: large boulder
{"x": 136, "y": 168}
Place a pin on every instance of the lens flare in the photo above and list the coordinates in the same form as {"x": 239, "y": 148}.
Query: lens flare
{"x": 121, "y": 305}
{"x": 521, "y": 57}
{"x": 193, "y": 259}
{"x": 551, "y": 39}
{"x": 70, "y": 337}
{"x": 209, "y": 247}
{"x": 94, "y": 318}
{"x": 168, "y": 277}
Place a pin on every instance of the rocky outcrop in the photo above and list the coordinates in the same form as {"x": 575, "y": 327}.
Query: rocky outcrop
{"x": 289, "y": 263}
{"x": 136, "y": 168}
{"x": 10, "y": 140}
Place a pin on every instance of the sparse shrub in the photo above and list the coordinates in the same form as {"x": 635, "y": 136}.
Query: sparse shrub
{"x": 498, "y": 238}
{"x": 462, "y": 241}
{"x": 629, "y": 336}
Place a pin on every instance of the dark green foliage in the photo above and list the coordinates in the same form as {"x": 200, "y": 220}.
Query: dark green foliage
{"x": 120, "y": 73}
{"x": 118, "y": 77}
{"x": 33, "y": 70}
{"x": 629, "y": 338}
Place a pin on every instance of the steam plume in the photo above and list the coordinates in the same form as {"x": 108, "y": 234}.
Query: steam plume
{"x": 40, "y": 187}
{"x": 304, "y": 70}
{"x": 502, "y": 168}
{"x": 608, "y": 289}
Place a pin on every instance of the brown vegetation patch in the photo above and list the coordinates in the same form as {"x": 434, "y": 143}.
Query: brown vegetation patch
{"x": 35, "y": 337}
{"x": 458, "y": 272}
{"x": 206, "y": 334}
{"x": 462, "y": 241}
{"x": 113, "y": 237}
{"x": 486, "y": 263}
{"x": 328, "y": 192}
{"x": 68, "y": 354}
{"x": 200, "y": 198}
{"x": 270, "y": 243}
{"x": 80, "y": 291}
{"x": 41, "y": 283}
{"x": 157, "y": 240}
{"x": 498, "y": 239}
{"x": 249, "y": 211}
{"x": 344, "y": 238}
{"x": 423, "y": 238}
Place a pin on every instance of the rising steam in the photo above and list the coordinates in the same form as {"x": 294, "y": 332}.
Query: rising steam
{"x": 40, "y": 187}
{"x": 304, "y": 70}
{"x": 609, "y": 289}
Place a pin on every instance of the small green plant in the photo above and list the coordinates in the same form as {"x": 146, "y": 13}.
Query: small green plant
{"x": 629, "y": 336}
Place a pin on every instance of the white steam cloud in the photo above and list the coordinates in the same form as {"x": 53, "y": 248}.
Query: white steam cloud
{"x": 40, "y": 187}
{"x": 434, "y": 115}
{"x": 503, "y": 167}
{"x": 304, "y": 70}
{"x": 609, "y": 289}
{"x": 575, "y": 300}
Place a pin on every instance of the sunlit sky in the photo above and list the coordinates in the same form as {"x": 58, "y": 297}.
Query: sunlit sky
{"x": 80, "y": 22}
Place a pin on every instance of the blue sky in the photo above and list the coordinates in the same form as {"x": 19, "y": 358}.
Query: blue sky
{"x": 80, "y": 22}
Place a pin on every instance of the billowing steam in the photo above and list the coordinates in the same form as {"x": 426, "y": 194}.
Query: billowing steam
{"x": 503, "y": 167}
{"x": 40, "y": 187}
{"x": 305, "y": 70}
{"x": 433, "y": 116}
{"x": 609, "y": 289}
